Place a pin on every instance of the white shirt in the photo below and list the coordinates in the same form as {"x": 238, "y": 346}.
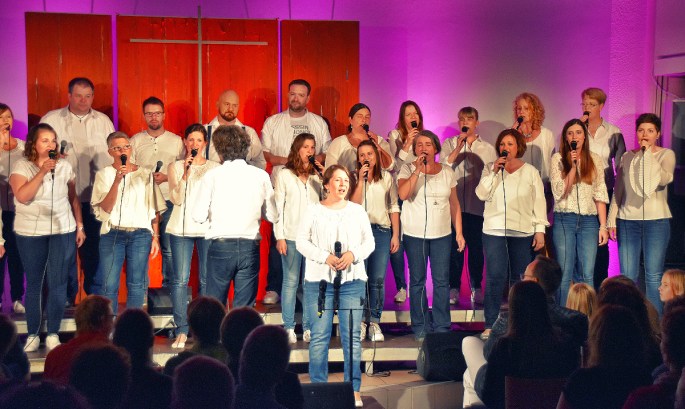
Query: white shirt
{"x": 608, "y": 143}
{"x": 137, "y": 200}
{"x": 49, "y": 212}
{"x": 469, "y": 166}
{"x": 87, "y": 150}
{"x": 147, "y": 150}
{"x": 437, "y": 221}
{"x": 321, "y": 227}
{"x": 526, "y": 209}
{"x": 588, "y": 194}
{"x": 292, "y": 198}
{"x": 641, "y": 186}
{"x": 7, "y": 160}
{"x": 279, "y": 132}
{"x": 380, "y": 199}
{"x": 233, "y": 197}
{"x": 255, "y": 156}
{"x": 539, "y": 153}
{"x": 399, "y": 155}
{"x": 342, "y": 152}
{"x": 182, "y": 194}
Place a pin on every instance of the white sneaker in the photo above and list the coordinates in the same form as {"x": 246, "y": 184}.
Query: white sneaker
{"x": 307, "y": 335}
{"x": 271, "y": 297}
{"x": 32, "y": 343}
{"x": 375, "y": 333}
{"x": 401, "y": 295}
{"x": 454, "y": 296}
{"x": 292, "y": 338}
{"x": 18, "y": 307}
{"x": 51, "y": 342}
{"x": 362, "y": 335}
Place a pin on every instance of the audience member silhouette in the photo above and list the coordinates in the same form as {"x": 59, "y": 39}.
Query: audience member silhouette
{"x": 102, "y": 375}
{"x": 44, "y": 394}
{"x": 201, "y": 382}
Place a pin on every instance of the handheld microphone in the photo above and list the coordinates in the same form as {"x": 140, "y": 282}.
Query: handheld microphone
{"x": 464, "y": 129}
{"x": 366, "y": 128}
{"x": 62, "y": 147}
{"x": 337, "y": 281}
{"x": 574, "y": 146}
{"x": 123, "y": 158}
{"x": 159, "y": 166}
{"x": 312, "y": 161}
{"x": 338, "y": 249}
{"x": 643, "y": 148}
{"x": 323, "y": 284}
{"x": 414, "y": 124}
{"x": 193, "y": 154}
{"x": 504, "y": 154}
{"x": 52, "y": 154}
{"x": 425, "y": 161}
{"x": 366, "y": 174}
{"x": 587, "y": 114}
{"x": 520, "y": 121}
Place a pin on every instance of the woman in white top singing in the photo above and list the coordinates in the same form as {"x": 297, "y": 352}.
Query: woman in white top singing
{"x": 639, "y": 213}
{"x": 580, "y": 205}
{"x": 184, "y": 233}
{"x": 335, "y": 237}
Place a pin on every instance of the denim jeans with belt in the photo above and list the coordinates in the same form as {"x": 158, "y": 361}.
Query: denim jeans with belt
{"x": 117, "y": 245}
{"x": 575, "y": 241}
{"x": 234, "y": 260}
{"x": 649, "y": 237}
{"x": 376, "y": 267}
{"x": 47, "y": 259}
{"x": 351, "y": 298}
{"x": 293, "y": 263}
{"x": 182, "y": 255}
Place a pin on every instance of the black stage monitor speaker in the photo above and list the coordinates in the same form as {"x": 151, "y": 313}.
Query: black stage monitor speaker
{"x": 159, "y": 301}
{"x": 440, "y": 357}
{"x": 332, "y": 395}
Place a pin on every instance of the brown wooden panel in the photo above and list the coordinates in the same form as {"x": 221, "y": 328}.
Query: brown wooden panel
{"x": 165, "y": 70}
{"x": 325, "y": 53}
{"x": 60, "y": 47}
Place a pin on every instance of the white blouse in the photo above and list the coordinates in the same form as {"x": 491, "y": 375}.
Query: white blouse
{"x": 428, "y": 217}
{"x": 321, "y": 227}
{"x": 182, "y": 194}
{"x": 641, "y": 183}
{"x": 521, "y": 197}
{"x": 7, "y": 161}
{"x": 401, "y": 157}
{"x": 587, "y": 194}
{"x": 341, "y": 152}
{"x": 380, "y": 199}
{"x": 293, "y": 197}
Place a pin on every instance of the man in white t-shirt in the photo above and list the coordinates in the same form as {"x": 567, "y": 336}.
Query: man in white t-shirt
{"x": 155, "y": 148}
{"x": 278, "y": 134}
{"x": 227, "y": 107}
{"x": 85, "y": 132}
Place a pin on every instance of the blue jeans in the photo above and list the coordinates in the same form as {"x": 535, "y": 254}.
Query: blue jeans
{"x": 351, "y": 297}
{"x": 398, "y": 266}
{"x": 653, "y": 246}
{"x": 501, "y": 255}
{"x": 89, "y": 252}
{"x": 419, "y": 251}
{"x": 115, "y": 247}
{"x": 14, "y": 266}
{"x": 293, "y": 262}
{"x": 575, "y": 241}
{"x": 376, "y": 266}
{"x": 165, "y": 245}
{"x": 182, "y": 255}
{"x": 234, "y": 260}
{"x": 473, "y": 234}
{"x": 49, "y": 258}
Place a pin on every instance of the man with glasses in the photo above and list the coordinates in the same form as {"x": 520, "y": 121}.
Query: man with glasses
{"x": 150, "y": 147}
{"x": 85, "y": 132}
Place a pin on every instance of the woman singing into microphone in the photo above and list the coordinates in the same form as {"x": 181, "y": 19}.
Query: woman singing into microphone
{"x": 580, "y": 199}
{"x": 335, "y": 236}
{"x": 639, "y": 213}
{"x": 48, "y": 224}
{"x": 430, "y": 205}
{"x": 377, "y": 193}
{"x": 184, "y": 232}
{"x": 514, "y": 219}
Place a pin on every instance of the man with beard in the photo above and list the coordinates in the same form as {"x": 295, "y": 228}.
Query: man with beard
{"x": 149, "y": 147}
{"x": 227, "y": 109}
{"x": 278, "y": 134}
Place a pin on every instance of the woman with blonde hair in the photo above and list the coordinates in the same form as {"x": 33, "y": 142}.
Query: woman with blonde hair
{"x": 672, "y": 284}
{"x": 583, "y": 298}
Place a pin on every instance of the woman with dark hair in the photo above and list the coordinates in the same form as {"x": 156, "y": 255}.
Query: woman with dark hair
{"x": 401, "y": 140}
{"x": 377, "y": 193}
{"x": 514, "y": 219}
{"x": 532, "y": 347}
{"x": 184, "y": 233}
{"x": 428, "y": 189}
{"x": 48, "y": 223}
{"x": 616, "y": 365}
{"x": 11, "y": 151}
{"x": 343, "y": 149}
{"x": 296, "y": 187}
{"x": 580, "y": 199}
{"x": 639, "y": 213}
{"x": 335, "y": 236}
